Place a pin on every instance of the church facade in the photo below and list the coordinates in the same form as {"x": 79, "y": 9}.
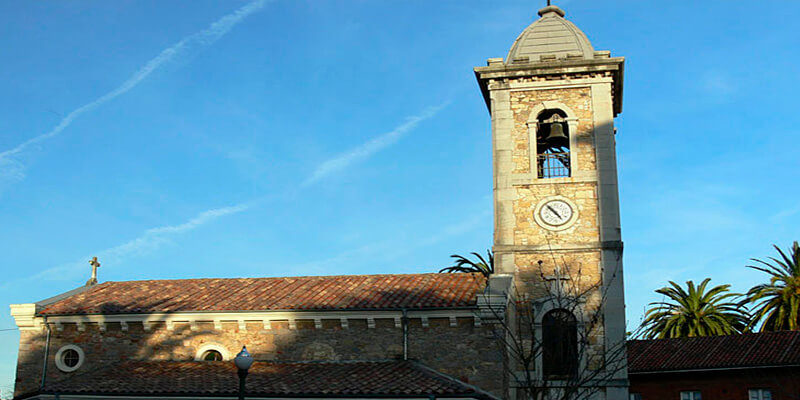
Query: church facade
{"x": 549, "y": 321}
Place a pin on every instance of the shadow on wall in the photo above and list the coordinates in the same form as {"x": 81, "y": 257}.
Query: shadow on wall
{"x": 99, "y": 345}
{"x": 457, "y": 349}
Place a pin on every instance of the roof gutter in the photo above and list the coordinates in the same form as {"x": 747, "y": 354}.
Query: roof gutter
{"x": 152, "y": 396}
{"x": 46, "y": 354}
{"x": 405, "y": 334}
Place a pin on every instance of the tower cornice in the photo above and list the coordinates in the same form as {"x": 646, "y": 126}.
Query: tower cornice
{"x": 496, "y": 69}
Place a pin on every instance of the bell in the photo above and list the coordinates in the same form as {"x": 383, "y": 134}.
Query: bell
{"x": 556, "y": 133}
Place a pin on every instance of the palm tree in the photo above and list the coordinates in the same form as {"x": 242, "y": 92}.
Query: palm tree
{"x": 463, "y": 264}
{"x": 776, "y": 303}
{"x": 695, "y": 312}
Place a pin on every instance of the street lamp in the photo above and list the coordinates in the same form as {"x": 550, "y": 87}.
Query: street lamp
{"x": 243, "y": 362}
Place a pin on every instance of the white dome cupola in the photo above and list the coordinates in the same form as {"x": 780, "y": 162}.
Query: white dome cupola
{"x": 550, "y": 38}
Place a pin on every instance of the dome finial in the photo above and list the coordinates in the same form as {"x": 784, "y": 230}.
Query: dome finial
{"x": 550, "y": 37}
{"x": 551, "y": 9}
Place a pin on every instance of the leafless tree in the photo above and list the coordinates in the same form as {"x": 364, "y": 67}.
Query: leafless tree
{"x": 555, "y": 346}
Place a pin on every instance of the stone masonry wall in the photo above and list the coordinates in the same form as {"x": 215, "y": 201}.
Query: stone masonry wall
{"x": 459, "y": 351}
{"x": 583, "y": 193}
{"x": 576, "y": 249}
{"x": 29, "y": 361}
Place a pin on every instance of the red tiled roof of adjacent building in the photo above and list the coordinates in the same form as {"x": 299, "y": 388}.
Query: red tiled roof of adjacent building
{"x": 279, "y": 379}
{"x": 413, "y": 291}
{"x": 715, "y": 352}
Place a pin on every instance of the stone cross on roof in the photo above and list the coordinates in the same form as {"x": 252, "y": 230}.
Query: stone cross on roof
{"x": 95, "y": 265}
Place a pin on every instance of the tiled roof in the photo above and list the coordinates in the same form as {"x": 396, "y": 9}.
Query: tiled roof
{"x": 734, "y": 351}
{"x": 306, "y": 379}
{"x": 255, "y": 294}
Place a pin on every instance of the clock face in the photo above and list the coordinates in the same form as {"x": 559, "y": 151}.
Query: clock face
{"x": 556, "y": 212}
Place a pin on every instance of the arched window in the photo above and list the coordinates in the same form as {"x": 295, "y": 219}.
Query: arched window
{"x": 560, "y": 344}
{"x": 212, "y": 352}
{"x": 212, "y": 355}
{"x": 552, "y": 144}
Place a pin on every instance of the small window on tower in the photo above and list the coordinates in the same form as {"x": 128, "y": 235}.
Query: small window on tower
{"x": 559, "y": 344}
{"x": 552, "y": 145}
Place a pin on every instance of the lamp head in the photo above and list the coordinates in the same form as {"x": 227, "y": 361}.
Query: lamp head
{"x": 243, "y": 360}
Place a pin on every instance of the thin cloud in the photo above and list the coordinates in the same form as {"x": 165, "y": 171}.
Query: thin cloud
{"x": 154, "y": 238}
{"x": 783, "y": 214}
{"x": 149, "y": 241}
{"x": 718, "y": 83}
{"x": 201, "y": 219}
{"x": 459, "y": 228}
{"x": 13, "y": 169}
{"x": 371, "y": 147}
{"x": 388, "y": 251}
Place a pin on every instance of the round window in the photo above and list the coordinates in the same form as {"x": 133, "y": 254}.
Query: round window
{"x": 212, "y": 355}
{"x": 212, "y": 352}
{"x": 69, "y": 358}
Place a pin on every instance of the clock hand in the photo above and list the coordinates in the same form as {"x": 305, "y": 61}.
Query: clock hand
{"x": 554, "y": 211}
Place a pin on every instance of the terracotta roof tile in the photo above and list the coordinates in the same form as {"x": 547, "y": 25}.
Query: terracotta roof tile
{"x": 311, "y": 379}
{"x": 734, "y": 351}
{"x": 291, "y": 293}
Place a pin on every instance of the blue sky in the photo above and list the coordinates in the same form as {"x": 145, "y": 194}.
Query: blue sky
{"x": 228, "y": 139}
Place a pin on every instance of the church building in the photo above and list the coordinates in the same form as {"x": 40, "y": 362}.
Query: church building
{"x": 547, "y": 323}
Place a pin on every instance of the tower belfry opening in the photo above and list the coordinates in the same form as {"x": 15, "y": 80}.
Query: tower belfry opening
{"x": 552, "y": 145}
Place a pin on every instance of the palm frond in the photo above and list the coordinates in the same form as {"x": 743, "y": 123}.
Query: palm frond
{"x": 776, "y": 305}
{"x": 463, "y": 264}
{"x": 694, "y": 311}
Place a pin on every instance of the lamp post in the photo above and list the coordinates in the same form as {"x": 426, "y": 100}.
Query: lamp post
{"x": 243, "y": 362}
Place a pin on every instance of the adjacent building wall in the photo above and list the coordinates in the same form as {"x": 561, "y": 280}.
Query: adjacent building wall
{"x": 783, "y": 382}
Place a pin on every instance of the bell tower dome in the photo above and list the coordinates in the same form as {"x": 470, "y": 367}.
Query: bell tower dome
{"x": 551, "y": 35}
{"x": 552, "y": 103}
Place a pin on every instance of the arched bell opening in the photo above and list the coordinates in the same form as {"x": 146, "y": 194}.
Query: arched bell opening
{"x": 552, "y": 144}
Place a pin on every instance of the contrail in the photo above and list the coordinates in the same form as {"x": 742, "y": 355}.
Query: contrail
{"x": 148, "y": 241}
{"x": 12, "y": 168}
{"x": 153, "y": 238}
{"x": 371, "y": 147}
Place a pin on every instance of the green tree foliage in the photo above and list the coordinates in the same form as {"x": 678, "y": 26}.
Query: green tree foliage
{"x": 463, "y": 264}
{"x": 694, "y": 312}
{"x": 776, "y": 303}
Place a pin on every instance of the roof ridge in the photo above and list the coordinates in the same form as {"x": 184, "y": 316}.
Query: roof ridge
{"x": 280, "y": 277}
{"x": 325, "y": 292}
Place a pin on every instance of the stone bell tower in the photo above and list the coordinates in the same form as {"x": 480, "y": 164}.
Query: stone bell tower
{"x": 556, "y": 205}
